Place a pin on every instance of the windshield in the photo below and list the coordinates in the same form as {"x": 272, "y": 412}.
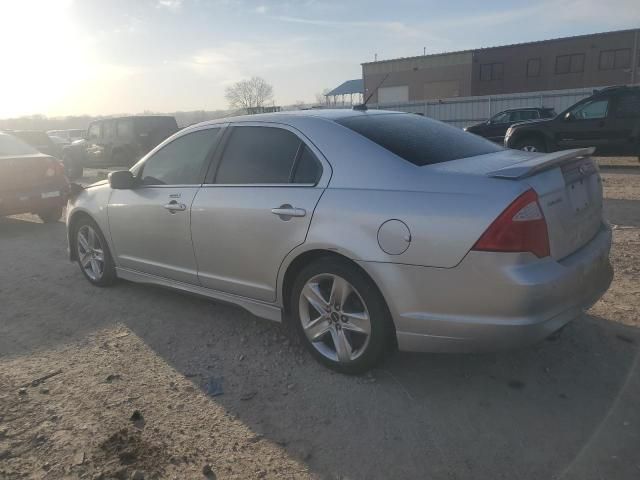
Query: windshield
{"x": 419, "y": 140}
{"x": 10, "y": 145}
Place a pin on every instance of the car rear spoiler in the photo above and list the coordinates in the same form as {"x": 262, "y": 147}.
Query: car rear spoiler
{"x": 539, "y": 163}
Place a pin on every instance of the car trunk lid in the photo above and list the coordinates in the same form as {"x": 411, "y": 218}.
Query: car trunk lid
{"x": 18, "y": 172}
{"x": 569, "y": 192}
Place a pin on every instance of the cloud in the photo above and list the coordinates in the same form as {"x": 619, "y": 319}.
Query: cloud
{"x": 394, "y": 27}
{"x": 262, "y": 9}
{"x": 173, "y": 5}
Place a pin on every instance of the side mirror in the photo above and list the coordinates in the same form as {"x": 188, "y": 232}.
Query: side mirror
{"x": 122, "y": 180}
{"x": 568, "y": 117}
{"x": 489, "y": 122}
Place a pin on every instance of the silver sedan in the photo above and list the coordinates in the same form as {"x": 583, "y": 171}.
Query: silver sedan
{"x": 365, "y": 230}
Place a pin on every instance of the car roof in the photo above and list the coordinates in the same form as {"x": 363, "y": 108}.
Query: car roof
{"x": 286, "y": 117}
{"x": 133, "y": 116}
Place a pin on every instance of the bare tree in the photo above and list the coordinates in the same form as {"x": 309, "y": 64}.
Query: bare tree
{"x": 251, "y": 93}
{"x": 321, "y": 98}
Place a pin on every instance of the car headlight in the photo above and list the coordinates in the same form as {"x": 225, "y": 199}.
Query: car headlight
{"x": 464, "y": 129}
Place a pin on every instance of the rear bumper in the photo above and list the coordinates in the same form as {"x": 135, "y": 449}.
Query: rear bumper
{"x": 34, "y": 200}
{"x": 492, "y": 301}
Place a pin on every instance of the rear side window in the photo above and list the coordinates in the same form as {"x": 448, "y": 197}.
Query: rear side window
{"x": 182, "y": 161}
{"x": 94, "y": 131}
{"x": 629, "y": 106}
{"x": 419, "y": 140}
{"x": 258, "y": 155}
{"x": 307, "y": 169}
{"x": 523, "y": 115}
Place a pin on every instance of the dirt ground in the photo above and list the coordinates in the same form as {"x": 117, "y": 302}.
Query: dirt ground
{"x": 148, "y": 383}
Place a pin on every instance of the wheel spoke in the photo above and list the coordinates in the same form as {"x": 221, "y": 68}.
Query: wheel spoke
{"x": 85, "y": 260}
{"x": 99, "y": 255}
{"x": 92, "y": 238}
{"x": 313, "y": 295}
{"x": 340, "y": 291}
{"x": 82, "y": 240}
{"x": 357, "y": 322}
{"x": 95, "y": 267}
{"x": 341, "y": 342}
{"x": 317, "y": 328}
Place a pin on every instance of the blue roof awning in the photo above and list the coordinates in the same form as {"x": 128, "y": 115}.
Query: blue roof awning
{"x": 350, "y": 86}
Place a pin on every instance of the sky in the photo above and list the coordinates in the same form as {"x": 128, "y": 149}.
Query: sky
{"x": 102, "y": 57}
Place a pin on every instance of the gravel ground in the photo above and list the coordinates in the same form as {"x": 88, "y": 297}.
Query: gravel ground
{"x": 148, "y": 383}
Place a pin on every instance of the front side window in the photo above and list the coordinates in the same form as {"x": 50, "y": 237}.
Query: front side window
{"x": 94, "y": 131}
{"x": 503, "y": 117}
{"x": 258, "y": 155}
{"x": 591, "y": 110}
{"x": 181, "y": 162}
{"x": 108, "y": 129}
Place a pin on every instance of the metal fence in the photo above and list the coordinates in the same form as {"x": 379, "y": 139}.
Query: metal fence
{"x": 465, "y": 111}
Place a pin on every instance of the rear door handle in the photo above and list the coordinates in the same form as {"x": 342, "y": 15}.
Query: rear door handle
{"x": 285, "y": 212}
{"x": 173, "y": 206}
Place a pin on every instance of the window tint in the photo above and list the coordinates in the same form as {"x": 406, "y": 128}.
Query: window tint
{"x": 258, "y": 155}
{"x": 504, "y": 117}
{"x": 124, "y": 128}
{"x": 180, "y": 162}
{"x": 523, "y": 115}
{"x": 94, "y": 131}
{"x": 307, "y": 169}
{"x": 593, "y": 109}
{"x": 533, "y": 67}
{"x": 108, "y": 129}
{"x": 629, "y": 106}
{"x": 419, "y": 140}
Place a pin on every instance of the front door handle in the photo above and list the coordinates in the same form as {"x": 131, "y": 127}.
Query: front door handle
{"x": 173, "y": 206}
{"x": 286, "y": 211}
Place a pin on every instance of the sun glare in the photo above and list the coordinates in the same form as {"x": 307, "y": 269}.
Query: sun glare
{"x": 43, "y": 57}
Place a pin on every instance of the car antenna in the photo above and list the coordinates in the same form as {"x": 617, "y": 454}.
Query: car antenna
{"x": 363, "y": 106}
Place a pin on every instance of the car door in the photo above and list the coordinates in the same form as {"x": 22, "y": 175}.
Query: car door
{"x": 588, "y": 124}
{"x": 150, "y": 224}
{"x": 255, "y": 208}
{"x": 626, "y": 124}
{"x": 497, "y": 127}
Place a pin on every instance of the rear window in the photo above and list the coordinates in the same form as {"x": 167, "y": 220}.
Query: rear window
{"x": 417, "y": 139}
{"x": 12, "y": 146}
{"x": 34, "y": 138}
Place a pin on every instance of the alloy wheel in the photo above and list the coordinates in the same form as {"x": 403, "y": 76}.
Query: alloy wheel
{"x": 90, "y": 252}
{"x": 334, "y": 318}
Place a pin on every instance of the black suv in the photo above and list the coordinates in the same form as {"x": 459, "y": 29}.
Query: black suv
{"x": 609, "y": 120}
{"x": 495, "y": 128}
{"x": 118, "y": 141}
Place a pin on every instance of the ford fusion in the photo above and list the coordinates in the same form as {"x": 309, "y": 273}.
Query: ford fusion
{"x": 365, "y": 230}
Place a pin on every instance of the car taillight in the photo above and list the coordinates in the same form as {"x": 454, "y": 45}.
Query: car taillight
{"x": 55, "y": 168}
{"x": 520, "y": 228}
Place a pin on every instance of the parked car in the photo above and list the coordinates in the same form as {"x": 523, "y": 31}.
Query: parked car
{"x": 38, "y": 140}
{"x": 117, "y": 142}
{"x": 609, "y": 120}
{"x": 70, "y": 135}
{"x": 30, "y": 181}
{"x": 363, "y": 229}
{"x": 495, "y": 128}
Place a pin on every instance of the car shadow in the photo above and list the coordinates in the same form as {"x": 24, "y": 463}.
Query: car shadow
{"x": 516, "y": 414}
{"x": 622, "y": 212}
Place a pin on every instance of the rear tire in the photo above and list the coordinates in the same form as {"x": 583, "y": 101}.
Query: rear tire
{"x": 51, "y": 216}
{"x": 92, "y": 253}
{"x": 340, "y": 316}
{"x": 531, "y": 144}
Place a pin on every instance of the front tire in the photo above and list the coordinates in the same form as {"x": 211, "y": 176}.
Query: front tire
{"x": 51, "y": 216}
{"x": 93, "y": 255}
{"x": 340, "y": 316}
{"x": 531, "y": 144}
